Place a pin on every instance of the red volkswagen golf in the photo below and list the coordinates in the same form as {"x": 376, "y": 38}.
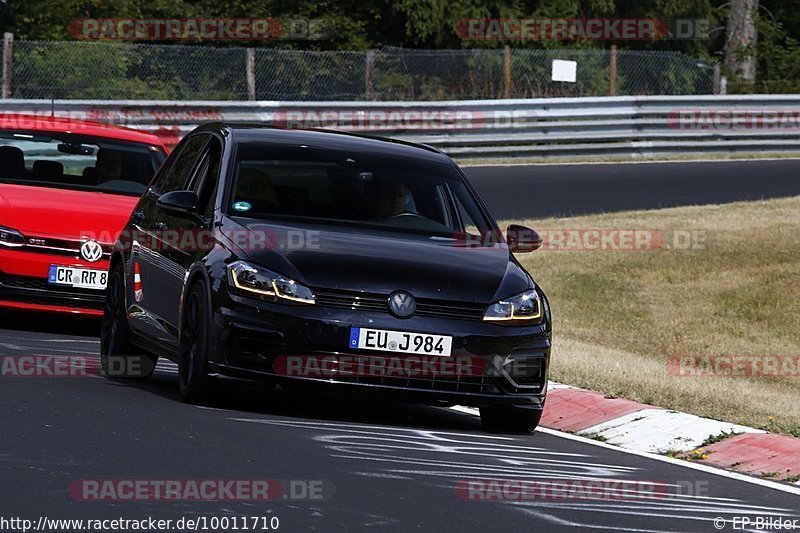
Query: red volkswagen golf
{"x": 66, "y": 190}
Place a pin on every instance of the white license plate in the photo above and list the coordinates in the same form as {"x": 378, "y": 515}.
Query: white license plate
{"x": 82, "y": 278}
{"x": 400, "y": 341}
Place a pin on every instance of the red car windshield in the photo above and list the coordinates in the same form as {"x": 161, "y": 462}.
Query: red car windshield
{"x": 78, "y": 162}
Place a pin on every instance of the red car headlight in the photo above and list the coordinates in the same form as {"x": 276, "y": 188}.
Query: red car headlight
{"x": 11, "y": 238}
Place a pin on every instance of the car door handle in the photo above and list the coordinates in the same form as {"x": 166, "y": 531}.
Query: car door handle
{"x": 161, "y": 226}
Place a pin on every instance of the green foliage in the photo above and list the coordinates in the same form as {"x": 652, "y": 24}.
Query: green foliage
{"x": 423, "y": 24}
{"x": 778, "y": 55}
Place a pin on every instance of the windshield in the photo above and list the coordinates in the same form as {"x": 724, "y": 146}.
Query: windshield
{"x": 369, "y": 190}
{"x": 77, "y": 162}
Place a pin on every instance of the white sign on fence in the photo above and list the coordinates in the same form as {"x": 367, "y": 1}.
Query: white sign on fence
{"x": 565, "y": 70}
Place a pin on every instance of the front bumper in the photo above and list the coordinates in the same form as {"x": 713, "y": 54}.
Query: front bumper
{"x": 23, "y": 284}
{"x": 510, "y": 364}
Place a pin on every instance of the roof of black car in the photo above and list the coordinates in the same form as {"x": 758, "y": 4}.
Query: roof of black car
{"x": 245, "y": 132}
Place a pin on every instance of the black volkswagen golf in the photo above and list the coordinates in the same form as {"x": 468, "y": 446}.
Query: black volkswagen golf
{"x": 321, "y": 260}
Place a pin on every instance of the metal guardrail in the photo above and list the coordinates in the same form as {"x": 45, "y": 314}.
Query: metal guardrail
{"x": 486, "y": 129}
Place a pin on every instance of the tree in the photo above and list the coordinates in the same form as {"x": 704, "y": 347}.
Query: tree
{"x": 741, "y": 39}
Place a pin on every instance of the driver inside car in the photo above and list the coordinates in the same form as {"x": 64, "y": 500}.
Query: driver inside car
{"x": 108, "y": 165}
{"x": 390, "y": 199}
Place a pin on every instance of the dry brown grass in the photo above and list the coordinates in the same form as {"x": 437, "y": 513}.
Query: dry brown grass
{"x": 619, "y": 315}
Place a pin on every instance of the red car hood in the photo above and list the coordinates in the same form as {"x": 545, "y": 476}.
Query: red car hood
{"x": 65, "y": 214}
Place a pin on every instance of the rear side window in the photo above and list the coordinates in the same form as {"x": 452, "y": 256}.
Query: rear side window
{"x": 178, "y": 167}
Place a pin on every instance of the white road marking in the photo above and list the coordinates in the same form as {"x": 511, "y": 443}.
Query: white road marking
{"x": 661, "y": 430}
{"x": 11, "y": 346}
{"x": 663, "y": 458}
{"x": 443, "y": 459}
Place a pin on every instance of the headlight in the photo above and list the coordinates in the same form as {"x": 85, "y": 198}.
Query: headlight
{"x": 11, "y": 238}
{"x": 524, "y": 308}
{"x": 267, "y": 284}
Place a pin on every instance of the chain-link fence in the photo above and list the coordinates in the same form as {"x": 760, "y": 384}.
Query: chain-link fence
{"x": 86, "y": 70}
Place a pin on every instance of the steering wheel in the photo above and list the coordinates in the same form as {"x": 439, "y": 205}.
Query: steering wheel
{"x": 403, "y": 214}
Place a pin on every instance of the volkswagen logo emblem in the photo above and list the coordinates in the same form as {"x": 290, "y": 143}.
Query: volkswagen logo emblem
{"x": 402, "y": 304}
{"x": 91, "y": 251}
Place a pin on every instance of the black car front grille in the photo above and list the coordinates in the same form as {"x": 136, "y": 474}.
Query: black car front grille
{"x": 440, "y": 309}
{"x": 358, "y": 301}
{"x": 347, "y": 300}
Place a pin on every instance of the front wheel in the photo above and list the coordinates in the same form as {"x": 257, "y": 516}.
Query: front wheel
{"x": 193, "y": 379}
{"x": 119, "y": 357}
{"x": 510, "y": 419}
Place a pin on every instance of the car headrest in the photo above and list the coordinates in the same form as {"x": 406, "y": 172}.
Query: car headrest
{"x": 12, "y": 162}
{"x": 47, "y": 169}
{"x": 257, "y": 185}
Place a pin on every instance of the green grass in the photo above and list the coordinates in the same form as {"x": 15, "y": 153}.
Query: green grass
{"x": 620, "y": 316}
{"x": 713, "y": 439}
{"x": 594, "y": 436}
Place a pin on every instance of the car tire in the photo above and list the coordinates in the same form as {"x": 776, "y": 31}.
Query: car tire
{"x": 510, "y": 419}
{"x": 193, "y": 380}
{"x": 119, "y": 357}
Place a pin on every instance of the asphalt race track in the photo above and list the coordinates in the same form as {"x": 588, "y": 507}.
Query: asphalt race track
{"x": 579, "y": 189}
{"x": 383, "y": 467}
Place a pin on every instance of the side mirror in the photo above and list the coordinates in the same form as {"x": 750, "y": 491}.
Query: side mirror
{"x": 179, "y": 201}
{"x": 522, "y": 240}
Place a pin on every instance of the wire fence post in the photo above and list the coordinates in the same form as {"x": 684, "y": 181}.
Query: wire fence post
{"x": 506, "y": 72}
{"x": 251, "y": 74}
{"x": 8, "y": 63}
{"x": 370, "y": 75}
{"x": 612, "y": 82}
